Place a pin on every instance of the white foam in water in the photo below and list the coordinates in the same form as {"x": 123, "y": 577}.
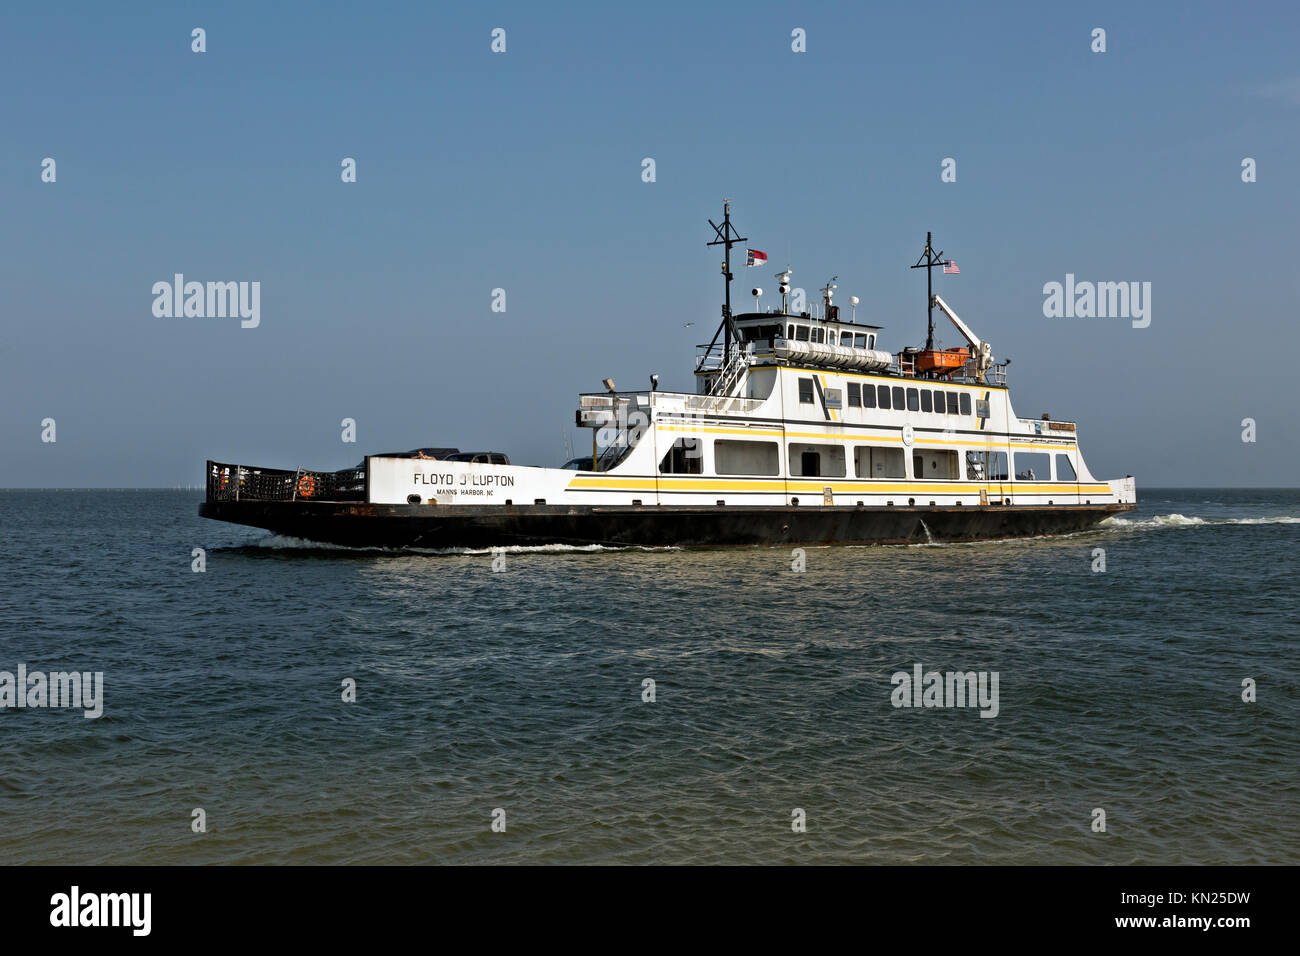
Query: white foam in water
{"x": 285, "y": 543}
{"x": 1182, "y": 521}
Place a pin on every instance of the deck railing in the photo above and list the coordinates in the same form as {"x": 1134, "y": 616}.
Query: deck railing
{"x": 227, "y": 482}
{"x": 710, "y": 359}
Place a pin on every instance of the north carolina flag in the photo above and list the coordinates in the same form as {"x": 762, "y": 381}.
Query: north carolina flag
{"x": 950, "y": 268}
{"x": 755, "y": 258}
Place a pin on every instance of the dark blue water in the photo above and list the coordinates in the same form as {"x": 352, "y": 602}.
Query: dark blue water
{"x": 522, "y": 690}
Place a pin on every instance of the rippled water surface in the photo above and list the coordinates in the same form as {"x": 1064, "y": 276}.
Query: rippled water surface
{"x": 522, "y": 690}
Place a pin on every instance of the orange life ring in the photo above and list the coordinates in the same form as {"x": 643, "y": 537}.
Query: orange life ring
{"x": 307, "y": 486}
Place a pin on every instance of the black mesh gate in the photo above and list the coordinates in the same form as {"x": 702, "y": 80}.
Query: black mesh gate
{"x": 228, "y": 482}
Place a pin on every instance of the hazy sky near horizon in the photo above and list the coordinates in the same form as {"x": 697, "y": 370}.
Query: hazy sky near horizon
{"x": 522, "y": 170}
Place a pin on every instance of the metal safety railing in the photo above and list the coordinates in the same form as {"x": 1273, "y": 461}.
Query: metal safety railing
{"x": 229, "y": 482}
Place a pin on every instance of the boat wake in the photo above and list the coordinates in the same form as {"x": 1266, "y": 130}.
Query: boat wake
{"x": 276, "y": 542}
{"x": 1183, "y": 521}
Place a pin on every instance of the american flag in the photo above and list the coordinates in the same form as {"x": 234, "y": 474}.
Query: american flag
{"x": 950, "y": 268}
{"x": 755, "y": 258}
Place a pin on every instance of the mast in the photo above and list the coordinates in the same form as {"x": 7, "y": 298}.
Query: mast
{"x": 929, "y": 259}
{"x": 727, "y": 237}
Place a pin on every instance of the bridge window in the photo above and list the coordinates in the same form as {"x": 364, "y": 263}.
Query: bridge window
{"x": 801, "y": 333}
{"x": 789, "y": 335}
{"x": 913, "y": 401}
{"x": 871, "y": 341}
{"x": 1065, "y": 468}
{"x": 819, "y": 336}
{"x": 882, "y": 393}
{"x": 733, "y": 457}
{"x": 855, "y": 395}
{"x": 965, "y": 403}
{"x": 868, "y": 396}
{"x": 860, "y": 340}
{"x": 927, "y": 401}
{"x": 685, "y": 457}
{"x": 806, "y": 391}
{"x": 878, "y": 462}
{"x": 846, "y": 339}
{"x": 816, "y": 461}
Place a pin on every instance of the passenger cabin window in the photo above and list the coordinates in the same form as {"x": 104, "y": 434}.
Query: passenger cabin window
{"x": 733, "y": 457}
{"x": 806, "y": 391}
{"x": 685, "y": 457}
{"x": 878, "y": 462}
{"x": 855, "y": 395}
{"x": 882, "y": 394}
{"x": 927, "y": 401}
{"x": 869, "y": 396}
{"x": 935, "y": 465}
{"x": 990, "y": 465}
{"x": 1065, "y": 468}
{"x": 816, "y": 461}
{"x": 913, "y": 400}
{"x": 952, "y": 403}
{"x": 898, "y": 398}
{"x": 1033, "y": 466}
{"x": 965, "y": 403}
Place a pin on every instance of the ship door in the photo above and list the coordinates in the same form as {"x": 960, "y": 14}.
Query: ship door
{"x": 811, "y": 463}
{"x": 918, "y": 468}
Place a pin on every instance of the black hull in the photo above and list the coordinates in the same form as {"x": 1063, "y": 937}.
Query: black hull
{"x": 422, "y": 526}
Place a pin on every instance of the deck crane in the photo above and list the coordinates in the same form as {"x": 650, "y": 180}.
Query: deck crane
{"x": 983, "y": 352}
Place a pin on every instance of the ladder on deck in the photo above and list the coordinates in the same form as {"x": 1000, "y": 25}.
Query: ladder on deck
{"x": 731, "y": 373}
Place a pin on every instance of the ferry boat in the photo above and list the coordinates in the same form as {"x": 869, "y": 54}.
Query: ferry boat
{"x": 802, "y": 429}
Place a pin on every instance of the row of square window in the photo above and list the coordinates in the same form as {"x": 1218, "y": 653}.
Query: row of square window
{"x": 897, "y": 398}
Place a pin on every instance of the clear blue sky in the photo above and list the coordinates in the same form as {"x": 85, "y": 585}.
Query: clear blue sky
{"x": 523, "y": 171}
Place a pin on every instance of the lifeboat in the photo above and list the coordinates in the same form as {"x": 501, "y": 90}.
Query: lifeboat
{"x": 942, "y": 362}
